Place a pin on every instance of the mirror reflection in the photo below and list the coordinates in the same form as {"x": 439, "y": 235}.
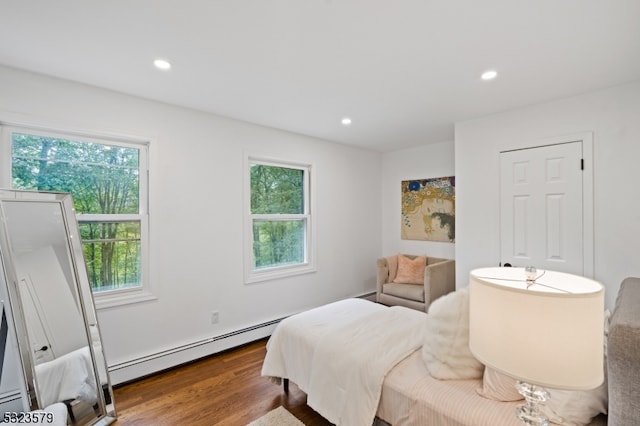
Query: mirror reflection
{"x": 52, "y": 306}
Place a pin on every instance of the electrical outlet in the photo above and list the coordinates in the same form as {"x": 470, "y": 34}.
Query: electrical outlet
{"x": 215, "y": 317}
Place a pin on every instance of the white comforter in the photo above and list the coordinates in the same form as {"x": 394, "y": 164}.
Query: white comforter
{"x": 340, "y": 353}
{"x": 67, "y": 377}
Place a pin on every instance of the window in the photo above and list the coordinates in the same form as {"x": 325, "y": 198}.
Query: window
{"x": 108, "y": 181}
{"x": 279, "y": 231}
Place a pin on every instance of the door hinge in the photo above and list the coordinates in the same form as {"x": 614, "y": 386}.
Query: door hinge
{"x": 582, "y": 164}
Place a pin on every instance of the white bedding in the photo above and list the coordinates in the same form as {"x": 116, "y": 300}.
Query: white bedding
{"x": 67, "y": 377}
{"x": 411, "y": 396}
{"x": 291, "y": 346}
{"x": 340, "y": 353}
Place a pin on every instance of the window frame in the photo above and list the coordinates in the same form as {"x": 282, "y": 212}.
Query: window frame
{"x": 255, "y": 275}
{"x": 107, "y": 298}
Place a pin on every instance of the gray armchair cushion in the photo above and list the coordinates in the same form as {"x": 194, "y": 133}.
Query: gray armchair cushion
{"x": 405, "y": 291}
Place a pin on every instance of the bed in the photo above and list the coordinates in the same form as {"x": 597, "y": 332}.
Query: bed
{"x": 407, "y": 393}
{"x": 322, "y": 350}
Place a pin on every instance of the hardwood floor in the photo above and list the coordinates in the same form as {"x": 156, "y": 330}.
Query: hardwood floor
{"x": 224, "y": 389}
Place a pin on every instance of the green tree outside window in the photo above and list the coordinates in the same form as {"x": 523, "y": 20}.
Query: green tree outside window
{"x": 104, "y": 180}
{"x": 278, "y": 212}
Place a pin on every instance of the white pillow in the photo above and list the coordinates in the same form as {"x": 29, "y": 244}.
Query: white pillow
{"x": 498, "y": 386}
{"x": 446, "y": 351}
{"x": 575, "y": 408}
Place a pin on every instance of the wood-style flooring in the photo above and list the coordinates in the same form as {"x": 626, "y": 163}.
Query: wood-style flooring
{"x": 224, "y": 389}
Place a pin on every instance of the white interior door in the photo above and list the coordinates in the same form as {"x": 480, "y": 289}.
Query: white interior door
{"x": 542, "y": 207}
{"x": 52, "y": 315}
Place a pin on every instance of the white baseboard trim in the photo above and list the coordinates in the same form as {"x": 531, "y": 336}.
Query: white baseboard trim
{"x": 368, "y": 296}
{"x": 11, "y": 401}
{"x": 143, "y": 366}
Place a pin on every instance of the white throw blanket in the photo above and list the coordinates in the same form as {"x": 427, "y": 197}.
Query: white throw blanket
{"x": 346, "y": 359}
{"x": 67, "y": 377}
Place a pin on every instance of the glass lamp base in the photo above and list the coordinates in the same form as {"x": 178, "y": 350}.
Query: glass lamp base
{"x": 529, "y": 412}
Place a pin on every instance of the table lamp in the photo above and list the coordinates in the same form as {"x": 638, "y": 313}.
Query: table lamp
{"x": 543, "y": 328}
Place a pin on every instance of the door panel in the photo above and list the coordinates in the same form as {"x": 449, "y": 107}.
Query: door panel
{"x": 541, "y": 207}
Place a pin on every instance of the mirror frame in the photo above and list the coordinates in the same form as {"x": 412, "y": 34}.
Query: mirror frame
{"x": 106, "y": 412}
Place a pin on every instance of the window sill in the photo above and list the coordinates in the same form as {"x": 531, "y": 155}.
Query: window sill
{"x": 277, "y": 273}
{"x": 111, "y": 299}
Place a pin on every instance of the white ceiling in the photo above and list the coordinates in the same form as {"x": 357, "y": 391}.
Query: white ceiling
{"x": 403, "y": 70}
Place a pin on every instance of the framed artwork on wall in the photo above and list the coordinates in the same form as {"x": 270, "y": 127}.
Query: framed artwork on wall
{"x": 429, "y": 209}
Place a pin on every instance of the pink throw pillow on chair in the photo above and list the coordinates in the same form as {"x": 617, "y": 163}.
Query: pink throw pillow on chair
{"x": 410, "y": 271}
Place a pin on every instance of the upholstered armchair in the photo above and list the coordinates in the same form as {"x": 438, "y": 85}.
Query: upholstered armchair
{"x": 414, "y": 281}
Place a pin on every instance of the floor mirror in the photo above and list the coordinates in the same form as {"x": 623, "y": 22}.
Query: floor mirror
{"x": 49, "y": 317}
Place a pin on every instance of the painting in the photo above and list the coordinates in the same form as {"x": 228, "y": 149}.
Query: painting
{"x": 429, "y": 209}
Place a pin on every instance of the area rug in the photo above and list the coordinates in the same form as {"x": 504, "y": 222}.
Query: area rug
{"x": 277, "y": 417}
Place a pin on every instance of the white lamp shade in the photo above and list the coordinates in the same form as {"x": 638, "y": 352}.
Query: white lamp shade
{"x": 548, "y": 334}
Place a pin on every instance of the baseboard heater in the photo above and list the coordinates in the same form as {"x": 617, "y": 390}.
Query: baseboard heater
{"x": 10, "y": 397}
{"x": 193, "y": 345}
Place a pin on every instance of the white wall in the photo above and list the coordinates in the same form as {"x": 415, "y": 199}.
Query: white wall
{"x": 429, "y": 161}
{"x": 196, "y": 201}
{"x": 613, "y": 115}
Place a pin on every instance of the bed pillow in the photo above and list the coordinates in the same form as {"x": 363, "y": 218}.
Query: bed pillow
{"x": 410, "y": 271}
{"x": 577, "y": 408}
{"x": 498, "y": 386}
{"x": 446, "y": 351}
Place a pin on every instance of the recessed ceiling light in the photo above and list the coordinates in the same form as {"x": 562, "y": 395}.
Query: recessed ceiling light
{"x": 346, "y": 121}
{"x": 162, "y": 64}
{"x": 489, "y": 75}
